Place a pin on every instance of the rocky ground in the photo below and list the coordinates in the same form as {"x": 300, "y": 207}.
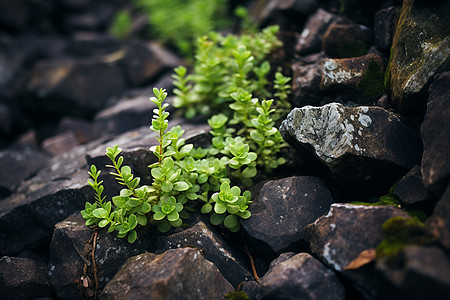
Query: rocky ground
{"x": 369, "y": 86}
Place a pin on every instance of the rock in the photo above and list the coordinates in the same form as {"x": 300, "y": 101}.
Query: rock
{"x": 67, "y": 266}
{"x": 283, "y": 257}
{"x": 439, "y": 221}
{"x": 127, "y": 114}
{"x": 6, "y": 119}
{"x": 434, "y": 131}
{"x": 347, "y": 230}
{"x": 23, "y": 278}
{"x": 213, "y": 247}
{"x": 410, "y": 189}
{"x": 306, "y": 82}
{"x": 364, "y": 149}
{"x": 82, "y": 129}
{"x": 384, "y": 26}
{"x": 73, "y": 87}
{"x": 14, "y": 14}
{"x": 74, "y": 4}
{"x": 60, "y": 143}
{"x": 90, "y": 44}
{"x": 300, "y": 277}
{"x": 97, "y": 17}
{"x": 266, "y": 10}
{"x": 18, "y": 164}
{"x": 359, "y": 79}
{"x": 360, "y": 11}
{"x": 28, "y": 216}
{"x": 176, "y": 274}
{"x": 310, "y": 40}
{"x": 420, "y": 49}
{"x": 145, "y": 61}
{"x": 347, "y": 40}
{"x": 283, "y": 208}
{"x": 425, "y": 274}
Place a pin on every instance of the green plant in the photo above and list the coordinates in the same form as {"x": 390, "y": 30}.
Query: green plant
{"x": 121, "y": 25}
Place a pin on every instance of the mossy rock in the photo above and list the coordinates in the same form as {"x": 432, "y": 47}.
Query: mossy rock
{"x": 420, "y": 49}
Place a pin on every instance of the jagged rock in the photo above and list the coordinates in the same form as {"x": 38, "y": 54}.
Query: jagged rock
{"x": 347, "y": 40}
{"x": 424, "y": 274}
{"x": 67, "y": 266}
{"x": 283, "y": 208}
{"x": 176, "y": 274}
{"x": 18, "y": 164}
{"x": 310, "y": 40}
{"x": 213, "y": 247}
{"x": 364, "y": 149}
{"x": 60, "y": 143}
{"x": 27, "y": 217}
{"x": 299, "y": 277}
{"x": 410, "y": 189}
{"x": 359, "y": 79}
{"x": 420, "y": 49}
{"x": 145, "y": 61}
{"x": 439, "y": 221}
{"x": 266, "y": 10}
{"x": 90, "y": 43}
{"x": 434, "y": 131}
{"x": 23, "y": 278}
{"x": 306, "y": 81}
{"x": 127, "y": 114}
{"x": 384, "y": 26}
{"x": 340, "y": 236}
{"x": 73, "y": 87}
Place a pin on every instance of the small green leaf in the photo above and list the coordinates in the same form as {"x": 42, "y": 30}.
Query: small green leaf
{"x": 100, "y": 213}
{"x": 132, "y": 236}
{"x": 125, "y": 193}
{"x": 230, "y": 221}
{"x": 219, "y": 208}
{"x": 103, "y": 223}
{"x": 159, "y": 216}
{"x": 249, "y": 172}
{"x": 173, "y": 216}
{"x": 142, "y": 220}
{"x": 256, "y": 136}
{"x": 216, "y": 219}
{"x": 146, "y": 207}
{"x": 164, "y": 226}
{"x": 180, "y": 186}
{"x": 206, "y": 208}
{"x": 167, "y": 186}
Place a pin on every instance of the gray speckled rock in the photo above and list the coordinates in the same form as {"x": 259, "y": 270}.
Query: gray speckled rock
{"x": 364, "y": 148}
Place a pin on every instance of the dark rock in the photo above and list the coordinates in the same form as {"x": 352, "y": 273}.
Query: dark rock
{"x": 384, "y": 26}
{"x": 439, "y": 221}
{"x": 383, "y": 102}
{"x": 360, "y": 11}
{"x": 144, "y": 61}
{"x": 23, "y": 278}
{"x": 310, "y": 40}
{"x": 14, "y": 14}
{"x": 268, "y": 10}
{"x": 176, "y": 274}
{"x": 60, "y": 143}
{"x": 359, "y": 79}
{"x": 213, "y": 247}
{"x": 97, "y": 17}
{"x": 410, "y": 189}
{"x": 73, "y": 88}
{"x": 27, "y": 217}
{"x": 300, "y": 277}
{"x": 18, "y": 164}
{"x": 66, "y": 271}
{"x": 420, "y": 49}
{"x": 283, "y": 257}
{"x": 347, "y": 40}
{"x": 365, "y": 149}
{"x": 74, "y": 4}
{"x": 306, "y": 83}
{"x": 127, "y": 114}
{"x": 82, "y": 129}
{"x": 424, "y": 274}
{"x": 6, "y": 119}
{"x": 90, "y": 44}
{"x": 347, "y": 230}
{"x": 434, "y": 131}
{"x": 283, "y": 208}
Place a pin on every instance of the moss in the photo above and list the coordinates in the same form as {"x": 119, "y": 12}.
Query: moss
{"x": 236, "y": 295}
{"x": 371, "y": 84}
{"x": 400, "y": 232}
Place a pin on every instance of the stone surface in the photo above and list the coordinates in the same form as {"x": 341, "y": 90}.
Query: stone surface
{"x": 176, "y": 274}
{"x": 14, "y": 14}
{"x": 82, "y": 129}
{"x": 340, "y": 236}
{"x": 310, "y": 39}
{"x": 90, "y": 43}
{"x": 420, "y": 49}
{"x": 23, "y": 278}
{"x": 347, "y": 40}
{"x": 439, "y": 221}
{"x": 283, "y": 208}
{"x": 18, "y": 164}
{"x": 434, "y": 131}
{"x": 410, "y": 189}
{"x": 73, "y": 87}
{"x": 365, "y": 149}
{"x": 359, "y": 79}
{"x": 60, "y": 143}
{"x": 384, "y": 26}
{"x": 67, "y": 266}
{"x": 213, "y": 247}
{"x": 300, "y": 277}
{"x": 306, "y": 82}
{"x": 425, "y": 274}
